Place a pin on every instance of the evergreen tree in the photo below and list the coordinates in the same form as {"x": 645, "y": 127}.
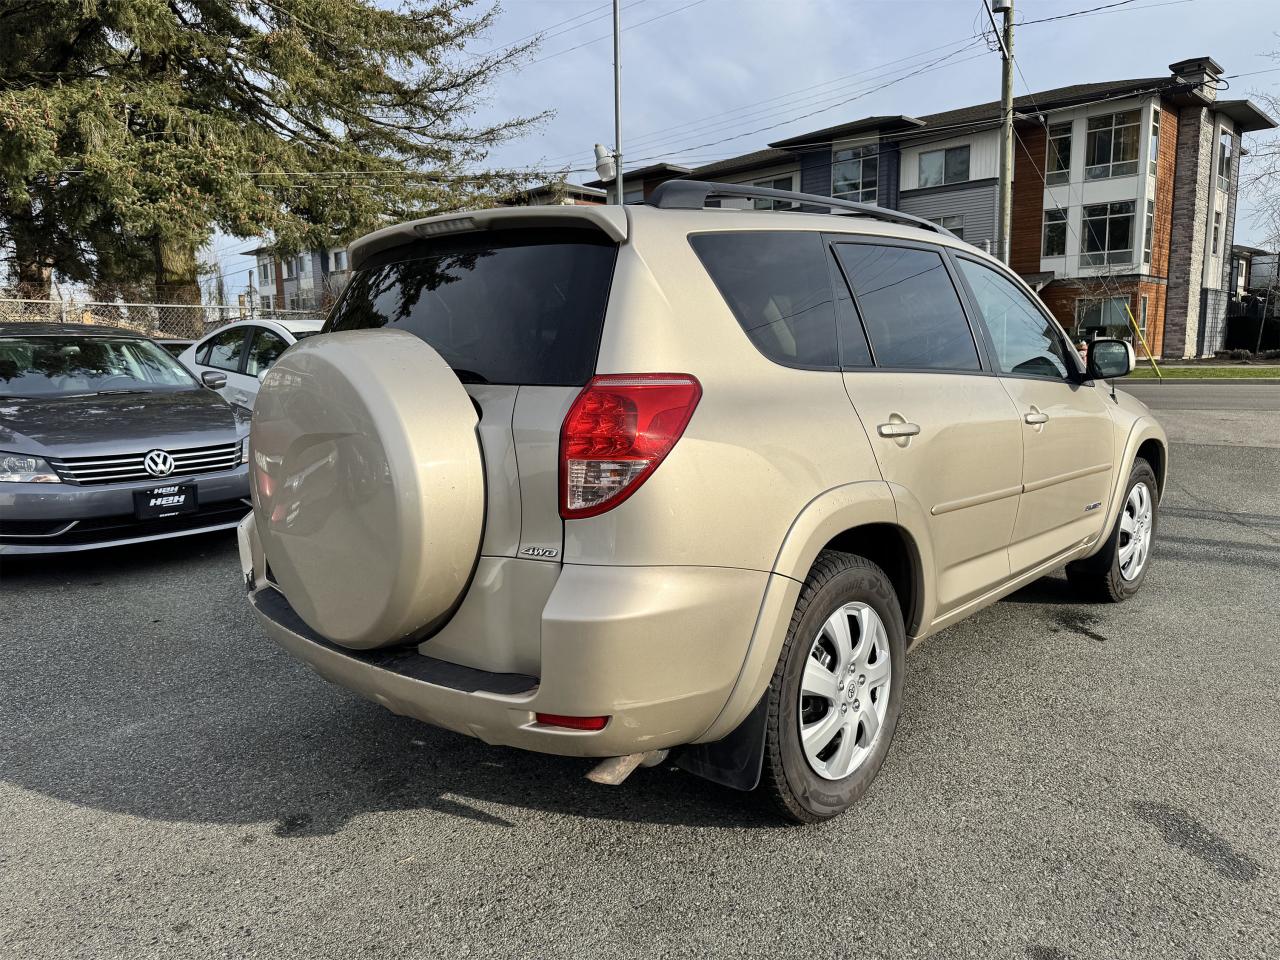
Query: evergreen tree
{"x": 131, "y": 129}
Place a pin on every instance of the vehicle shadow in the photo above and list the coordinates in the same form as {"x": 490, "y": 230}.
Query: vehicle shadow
{"x": 310, "y": 766}
{"x": 171, "y": 705}
{"x": 1053, "y": 589}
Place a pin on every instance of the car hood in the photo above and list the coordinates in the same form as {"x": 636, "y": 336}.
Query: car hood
{"x": 123, "y": 423}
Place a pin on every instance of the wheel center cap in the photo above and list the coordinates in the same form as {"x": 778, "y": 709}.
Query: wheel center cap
{"x": 852, "y": 692}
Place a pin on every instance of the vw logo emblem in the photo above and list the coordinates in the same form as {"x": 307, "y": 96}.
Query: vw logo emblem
{"x": 158, "y": 463}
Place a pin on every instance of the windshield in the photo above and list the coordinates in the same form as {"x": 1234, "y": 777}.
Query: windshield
{"x": 71, "y": 365}
{"x": 520, "y": 308}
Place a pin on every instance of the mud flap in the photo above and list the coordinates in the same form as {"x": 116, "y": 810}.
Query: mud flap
{"x": 735, "y": 760}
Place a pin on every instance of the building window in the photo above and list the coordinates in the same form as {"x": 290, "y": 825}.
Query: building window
{"x": 1148, "y": 231}
{"x": 290, "y": 267}
{"x": 1055, "y": 234}
{"x": 1224, "y": 160}
{"x": 1058, "y": 162}
{"x": 1112, "y": 146}
{"x": 339, "y": 260}
{"x": 1217, "y": 232}
{"x": 633, "y": 196}
{"x": 266, "y": 303}
{"x": 1142, "y": 315}
{"x": 264, "y": 271}
{"x": 774, "y": 183}
{"x": 1108, "y": 234}
{"x": 1102, "y": 318}
{"x": 303, "y": 262}
{"x": 854, "y": 172}
{"x": 938, "y": 167}
{"x": 953, "y": 222}
{"x": 1153, "y": 150}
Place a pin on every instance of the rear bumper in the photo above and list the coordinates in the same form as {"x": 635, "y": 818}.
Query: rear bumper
{"x": 656, "y": 649}
{"x": 38, "y": 518}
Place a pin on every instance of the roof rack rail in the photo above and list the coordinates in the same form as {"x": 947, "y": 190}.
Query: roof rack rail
{"x": 693, "y": 195}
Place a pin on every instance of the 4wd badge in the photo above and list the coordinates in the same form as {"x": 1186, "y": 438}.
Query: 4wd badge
{"x": 545, "y": 552}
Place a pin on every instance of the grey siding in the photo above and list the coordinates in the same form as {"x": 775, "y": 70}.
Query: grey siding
{"x": 815, "y": 172}
{"x": 887, "y": 175}
{"x": 976, "y": 204}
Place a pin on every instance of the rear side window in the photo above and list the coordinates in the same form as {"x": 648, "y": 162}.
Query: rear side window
{"x": 777, "y": 285}
{"x": 225, "y": 350}
{"x": 909, "y": 306}
{"x": 514, "y": 308}
{"x": 265, "y": 351}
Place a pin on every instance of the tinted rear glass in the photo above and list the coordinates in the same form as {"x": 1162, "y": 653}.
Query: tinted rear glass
{"x": 777, "y": 285}
{"x": 909, "y": 306}
{"x": 516, "y": 308}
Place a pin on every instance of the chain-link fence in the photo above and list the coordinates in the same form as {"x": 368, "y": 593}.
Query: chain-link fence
{"x": 178, "y": 321}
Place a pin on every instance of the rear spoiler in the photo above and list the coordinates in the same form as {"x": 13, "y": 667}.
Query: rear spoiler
{"x": 610, "y": 220}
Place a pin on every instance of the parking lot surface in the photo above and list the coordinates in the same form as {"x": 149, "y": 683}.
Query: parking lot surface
{"x": 1067, "y": 780}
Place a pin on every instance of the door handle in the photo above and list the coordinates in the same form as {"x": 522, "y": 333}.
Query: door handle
{"x": 1035, "y": 417}
{"x": 898, "y": 428}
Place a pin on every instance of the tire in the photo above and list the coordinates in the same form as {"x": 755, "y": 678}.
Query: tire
{"x": 1108, "y": 576}
{"x": 812, "y": 784}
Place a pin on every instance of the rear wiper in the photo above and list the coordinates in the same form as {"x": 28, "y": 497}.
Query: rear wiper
{"x": 470, "y": 376}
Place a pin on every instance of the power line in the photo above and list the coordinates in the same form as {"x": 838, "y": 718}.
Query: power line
{"x": 609, "y": 36}
{"x": 915, "y": 73}
{"x": 1102, "y": 9}
{"x": 653, "y": 137}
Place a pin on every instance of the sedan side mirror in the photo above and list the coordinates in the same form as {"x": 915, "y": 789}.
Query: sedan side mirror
{"x": 1110, "y": 358}
{"x": 212, "y": 380}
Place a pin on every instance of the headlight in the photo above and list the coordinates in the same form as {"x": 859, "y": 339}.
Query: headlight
{"x": 17, "y": 468}
{"x": 244, "y": 450}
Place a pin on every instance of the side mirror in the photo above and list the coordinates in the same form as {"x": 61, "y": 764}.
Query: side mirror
{"x": 212, "y": 380}
{"x": 1109, "y": 359}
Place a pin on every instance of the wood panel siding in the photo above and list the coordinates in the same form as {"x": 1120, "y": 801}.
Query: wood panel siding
{"x": 1028, "y": 198}
{"x": 1166, "y": 166}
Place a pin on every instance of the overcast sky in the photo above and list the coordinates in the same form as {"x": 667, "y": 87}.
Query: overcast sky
{"x": 706, "y": 79}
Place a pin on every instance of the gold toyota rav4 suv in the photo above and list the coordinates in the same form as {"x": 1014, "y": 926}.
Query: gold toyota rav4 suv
{"x": 615, "y": 481}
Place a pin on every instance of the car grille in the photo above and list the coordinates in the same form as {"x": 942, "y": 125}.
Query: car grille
{"x": 128, "y": 466}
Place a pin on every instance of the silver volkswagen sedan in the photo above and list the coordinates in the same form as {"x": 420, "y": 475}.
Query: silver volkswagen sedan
{"x": 105, "y": 439}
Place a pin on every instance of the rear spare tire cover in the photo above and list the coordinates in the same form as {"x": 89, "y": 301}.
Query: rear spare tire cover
{"x": 368, "y": 485}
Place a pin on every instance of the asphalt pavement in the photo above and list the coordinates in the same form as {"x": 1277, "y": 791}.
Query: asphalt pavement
{"x": 1068, "y": 781}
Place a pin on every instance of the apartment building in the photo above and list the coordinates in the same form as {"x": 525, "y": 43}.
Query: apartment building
{"x": 306, "y": 281}
{"x": 1124, "y": 193}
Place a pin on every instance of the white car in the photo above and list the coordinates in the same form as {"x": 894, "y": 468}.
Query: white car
{"x": 243, "y": 352}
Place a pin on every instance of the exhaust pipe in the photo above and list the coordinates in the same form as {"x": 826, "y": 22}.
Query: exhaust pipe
{"x": 612, "y": 771}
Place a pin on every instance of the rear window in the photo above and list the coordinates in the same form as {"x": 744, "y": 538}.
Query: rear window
{"x": 516, "y": 308}
{"x": 777, "y": 285}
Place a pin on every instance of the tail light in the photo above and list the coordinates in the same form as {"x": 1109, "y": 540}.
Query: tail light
{"x": 616, "y": 433}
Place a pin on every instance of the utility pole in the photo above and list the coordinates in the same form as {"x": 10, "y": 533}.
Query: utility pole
{"x": 1005, "y": 36}
{"x": 617, "y": 98}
